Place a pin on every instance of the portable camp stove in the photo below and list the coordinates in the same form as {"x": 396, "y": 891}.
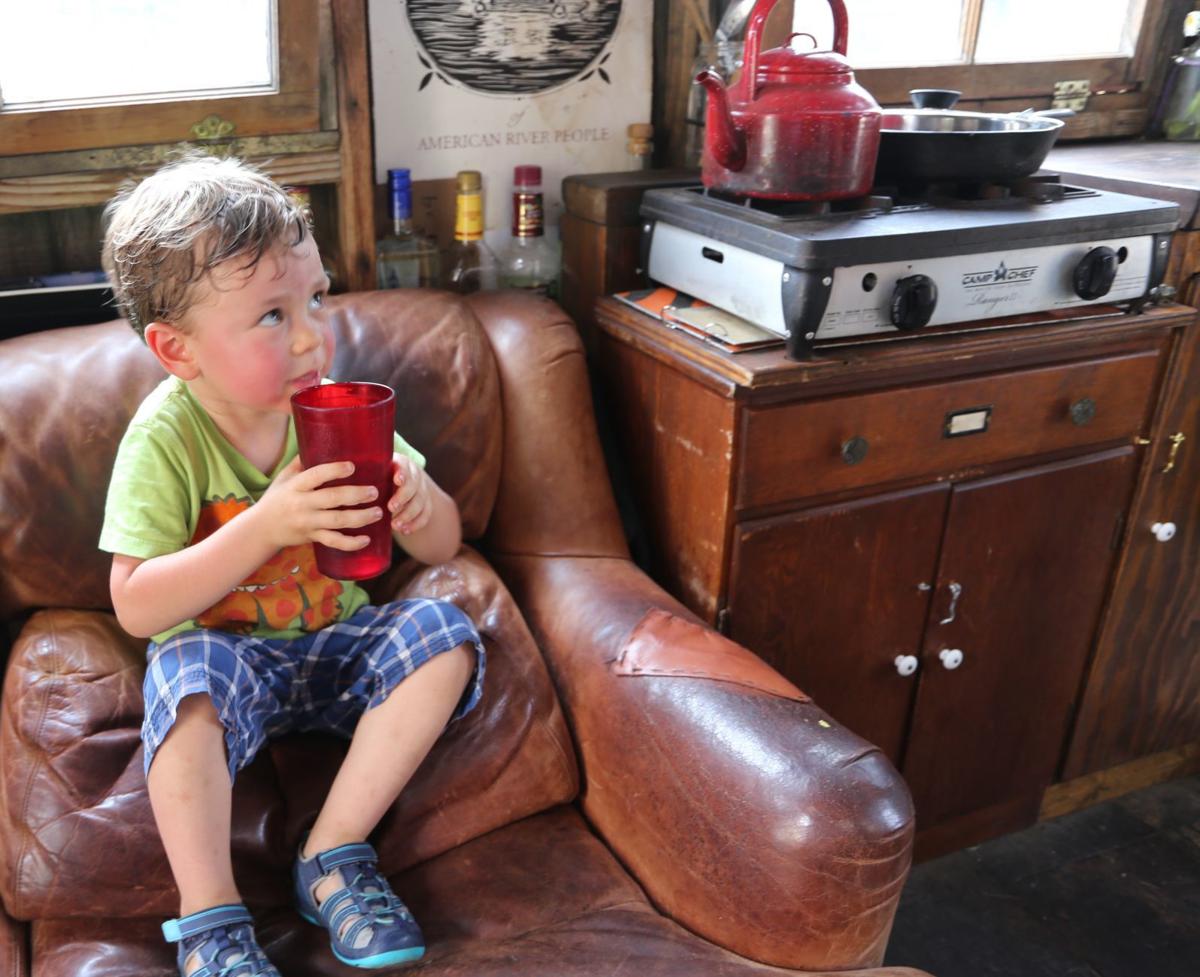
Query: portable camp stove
{"x": 901, "y": 260}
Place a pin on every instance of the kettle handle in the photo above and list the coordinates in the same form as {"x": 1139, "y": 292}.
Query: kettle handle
{"x": 758, "y": 18}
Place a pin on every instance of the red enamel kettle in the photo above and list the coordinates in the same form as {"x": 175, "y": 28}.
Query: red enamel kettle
{"x": 795, "y": 125}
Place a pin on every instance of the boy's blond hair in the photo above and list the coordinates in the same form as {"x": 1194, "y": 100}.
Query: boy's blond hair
{"x": 166, "y": 233}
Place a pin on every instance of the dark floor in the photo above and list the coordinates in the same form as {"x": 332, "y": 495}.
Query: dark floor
{"x": 1110, "y": 891}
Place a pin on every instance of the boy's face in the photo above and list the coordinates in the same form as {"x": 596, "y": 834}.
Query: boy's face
{"x": 256, "y": 337}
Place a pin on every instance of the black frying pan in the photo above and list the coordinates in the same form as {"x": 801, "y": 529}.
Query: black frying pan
{"x": 918, "y": 146}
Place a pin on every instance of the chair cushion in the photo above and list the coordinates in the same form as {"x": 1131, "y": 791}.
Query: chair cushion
{"x": 76, "y": 828}
{"x": 541, "y": 897}
{"x": 66, "y": 397}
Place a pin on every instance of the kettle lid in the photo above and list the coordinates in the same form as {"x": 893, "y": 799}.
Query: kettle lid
{"x": 786, "y": 63}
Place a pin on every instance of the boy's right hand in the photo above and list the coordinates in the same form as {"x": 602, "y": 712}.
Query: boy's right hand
{"x": 298, "y": 507}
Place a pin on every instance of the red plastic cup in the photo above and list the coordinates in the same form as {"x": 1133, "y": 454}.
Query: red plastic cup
{"x": 351, "y": 422}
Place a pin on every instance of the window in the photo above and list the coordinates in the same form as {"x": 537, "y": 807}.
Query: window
{"x": 945, "y": 32}
{"x": 86, "y": 69}
{"x": 1009, "y": 55}
{"x": 78, "y": 75}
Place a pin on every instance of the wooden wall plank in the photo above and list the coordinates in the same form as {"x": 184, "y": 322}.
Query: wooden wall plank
{"x": 355, "y": 196}
{"x": 84, "y": 189}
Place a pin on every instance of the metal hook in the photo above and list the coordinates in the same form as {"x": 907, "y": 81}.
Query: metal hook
{"x": 955, "y": 593}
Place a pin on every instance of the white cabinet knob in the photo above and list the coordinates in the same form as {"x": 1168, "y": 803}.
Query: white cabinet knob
{"x": 906, "y": 664}
{"x": 1163, "y": 531}
{"x": 951, "y": 657}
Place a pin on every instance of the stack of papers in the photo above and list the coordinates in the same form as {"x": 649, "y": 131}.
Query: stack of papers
{"x": 678, "y": 310}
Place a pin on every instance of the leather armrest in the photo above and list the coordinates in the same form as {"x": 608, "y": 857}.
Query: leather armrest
{"x": 72, "y": 792}
{"x": 748, "y": 814}
{"x": 77, "y": 835}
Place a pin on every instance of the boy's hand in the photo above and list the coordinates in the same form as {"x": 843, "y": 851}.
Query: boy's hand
{"x": 412, "y": 503}
{"x": 297, "y": 509}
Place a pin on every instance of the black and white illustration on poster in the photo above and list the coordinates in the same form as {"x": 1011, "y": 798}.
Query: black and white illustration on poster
{"x": 490, "y": 84}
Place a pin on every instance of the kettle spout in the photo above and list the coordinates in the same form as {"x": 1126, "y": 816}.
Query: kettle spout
{"x": 724, "y": 140}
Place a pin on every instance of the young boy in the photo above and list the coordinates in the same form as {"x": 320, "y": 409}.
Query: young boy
{"x": 211, "y": 522}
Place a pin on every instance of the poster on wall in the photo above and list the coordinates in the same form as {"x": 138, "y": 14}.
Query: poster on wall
{"x": 492, "y": 84}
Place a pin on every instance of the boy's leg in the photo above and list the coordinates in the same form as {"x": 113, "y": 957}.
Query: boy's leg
{"x": 209, "y": 696}
{"x": 401, "y": 670}
{"x": 191, "y": 795}
{"x": 388, "y": 745}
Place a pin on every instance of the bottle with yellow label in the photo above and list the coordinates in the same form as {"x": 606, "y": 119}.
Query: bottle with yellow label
{"x": 470, "y": 264}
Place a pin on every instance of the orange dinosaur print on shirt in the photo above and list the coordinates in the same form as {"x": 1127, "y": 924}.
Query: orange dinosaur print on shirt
{"x": 288, "y": 591}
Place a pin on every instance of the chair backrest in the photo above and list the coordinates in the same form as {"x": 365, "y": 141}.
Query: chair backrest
{"x": 66, "y": 396}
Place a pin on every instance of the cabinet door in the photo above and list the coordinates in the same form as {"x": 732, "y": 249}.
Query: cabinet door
{"x": 832, "y": 596}
{"x": 1031, "y": 552}
{"x": 1143, "y": 692}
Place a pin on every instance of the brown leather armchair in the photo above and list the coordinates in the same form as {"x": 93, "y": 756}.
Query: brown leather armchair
{"x": 635, "y": 793}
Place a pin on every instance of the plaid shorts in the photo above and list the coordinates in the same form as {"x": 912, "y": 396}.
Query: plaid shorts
{"x": 263, "y": 687}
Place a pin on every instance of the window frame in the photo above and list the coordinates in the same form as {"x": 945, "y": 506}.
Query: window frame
{"x": 296, "y": 107}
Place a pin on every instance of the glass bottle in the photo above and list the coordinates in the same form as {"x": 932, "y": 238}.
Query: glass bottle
{"x": 530, "y": 261}
{"x": 1180, "y": 106}
{"x": 470, "y": 264}
{"x": 404, "y": 258}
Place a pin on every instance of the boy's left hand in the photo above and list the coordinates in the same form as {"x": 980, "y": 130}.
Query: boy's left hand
{"x": 411, "y": 505}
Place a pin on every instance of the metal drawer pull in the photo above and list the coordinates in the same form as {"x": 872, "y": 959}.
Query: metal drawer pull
{"x": 854, "y": 450}
{"x": 955, "y": 593}
{"x": 1083, "y": 410}
{"x": 951, "y": 658}
{"x": 1176, "y": 440}
{"x": 906, "y": 664}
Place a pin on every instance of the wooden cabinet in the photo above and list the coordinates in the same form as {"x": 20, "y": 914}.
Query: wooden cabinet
{"x": 923, "y": 535}
{"x": 1025, "y": 561}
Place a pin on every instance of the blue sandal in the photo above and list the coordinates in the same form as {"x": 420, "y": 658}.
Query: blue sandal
{"x": 368, "y": 925}
{"x": 222, "y": 940}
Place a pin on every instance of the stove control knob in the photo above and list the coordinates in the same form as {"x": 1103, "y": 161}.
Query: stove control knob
{"x": 913, "y": 301}
{"x": 1093, "y": 276}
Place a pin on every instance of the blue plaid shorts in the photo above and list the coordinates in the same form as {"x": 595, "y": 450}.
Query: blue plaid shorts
{"x": 263, "y": 687}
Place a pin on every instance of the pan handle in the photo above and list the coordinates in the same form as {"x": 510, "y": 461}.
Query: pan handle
{"x": 1048, "y": 113}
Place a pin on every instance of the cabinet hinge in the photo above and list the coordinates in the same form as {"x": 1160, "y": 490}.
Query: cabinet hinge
{"x": 723, "y": 621}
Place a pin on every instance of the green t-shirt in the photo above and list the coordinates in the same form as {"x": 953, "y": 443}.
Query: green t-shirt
{"x": 177, "y": 479}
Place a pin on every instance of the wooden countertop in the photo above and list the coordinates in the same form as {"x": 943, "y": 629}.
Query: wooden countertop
{"x": 1160, "y": 169}
{"x": 768, "y": 375}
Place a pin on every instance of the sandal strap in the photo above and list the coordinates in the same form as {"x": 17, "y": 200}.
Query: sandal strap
{"x": 345, "y": 855}
{"x": 180, "y": 929}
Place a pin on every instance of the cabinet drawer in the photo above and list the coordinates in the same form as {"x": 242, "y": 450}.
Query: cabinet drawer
{"x": 806, "y": 449}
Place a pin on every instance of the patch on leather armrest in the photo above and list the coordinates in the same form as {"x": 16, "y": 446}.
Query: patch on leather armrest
{"x": 668, "y": 646}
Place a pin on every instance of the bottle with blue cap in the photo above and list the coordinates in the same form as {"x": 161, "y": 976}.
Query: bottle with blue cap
{"x": 404, "y": 258}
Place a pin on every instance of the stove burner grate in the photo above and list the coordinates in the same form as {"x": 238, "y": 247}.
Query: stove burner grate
{"x": 1044, "y": 188}
{"x": 798, "y": 209}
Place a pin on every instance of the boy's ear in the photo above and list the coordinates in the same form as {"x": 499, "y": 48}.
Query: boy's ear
{"x": 170, "y": 346}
